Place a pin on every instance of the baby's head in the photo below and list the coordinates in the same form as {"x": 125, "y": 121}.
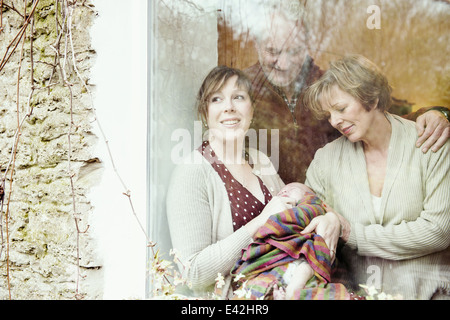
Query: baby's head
{"x": 294, "y": 190}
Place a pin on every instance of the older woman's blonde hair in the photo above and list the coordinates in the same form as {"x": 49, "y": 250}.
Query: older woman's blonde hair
{"x": 355, "y": 75}
{"x": 214, "y": 82}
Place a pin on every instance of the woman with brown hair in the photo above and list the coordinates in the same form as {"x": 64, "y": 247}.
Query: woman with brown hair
{"x": 221, "y": 194}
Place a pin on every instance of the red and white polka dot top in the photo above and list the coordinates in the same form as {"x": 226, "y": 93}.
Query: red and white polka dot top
{"x": 244, "y": 205}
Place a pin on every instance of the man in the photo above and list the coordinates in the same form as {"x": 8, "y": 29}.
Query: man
{"x": 283, "y": 71}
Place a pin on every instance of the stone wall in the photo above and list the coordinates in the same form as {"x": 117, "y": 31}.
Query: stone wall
{"x": 47, "y": 172}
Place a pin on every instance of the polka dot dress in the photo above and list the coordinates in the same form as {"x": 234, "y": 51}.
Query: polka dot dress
{"x": 244, "y": 205}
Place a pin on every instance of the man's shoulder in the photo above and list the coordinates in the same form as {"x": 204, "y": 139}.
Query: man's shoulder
{"x": 315, "y": 72}
{"x": 253, "y": 69}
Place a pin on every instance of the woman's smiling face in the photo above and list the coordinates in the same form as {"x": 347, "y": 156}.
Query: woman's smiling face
{"x": 230, "y": 111}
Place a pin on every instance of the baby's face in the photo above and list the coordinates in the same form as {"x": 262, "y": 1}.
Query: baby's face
{"x": 294, "y": 190}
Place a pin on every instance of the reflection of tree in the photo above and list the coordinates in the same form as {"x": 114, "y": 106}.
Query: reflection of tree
{"x": 324, "y": 18}
{"x": 234, "y": 33}
{"x": 411, "y": 47}
{"x": 417, "y": 56}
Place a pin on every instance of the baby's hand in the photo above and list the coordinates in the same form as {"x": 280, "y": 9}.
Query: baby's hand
{"x": 288, "y": 201}
{"x": 277, "y": 204}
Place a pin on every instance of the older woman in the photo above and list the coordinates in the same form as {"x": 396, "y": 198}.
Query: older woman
{"x": 221, "y": 194}
{"x": 393, "y": 200}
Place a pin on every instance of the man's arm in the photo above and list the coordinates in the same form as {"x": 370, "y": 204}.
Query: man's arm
{"x": 433, "y": 127}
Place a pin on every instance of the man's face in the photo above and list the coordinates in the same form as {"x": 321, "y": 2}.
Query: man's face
{"x": 282, "y": 53}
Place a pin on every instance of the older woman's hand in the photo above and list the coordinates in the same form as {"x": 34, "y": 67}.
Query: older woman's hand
{"x": 328, "y": 226}
{"x": 433, "y": 129}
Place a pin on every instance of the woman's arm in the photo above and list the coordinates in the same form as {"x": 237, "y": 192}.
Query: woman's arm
{"x": 328, "y": 226}
{"x": 195, "y": 210}
{"x": 428, "y": 233}
{"x": 190, "y": 205}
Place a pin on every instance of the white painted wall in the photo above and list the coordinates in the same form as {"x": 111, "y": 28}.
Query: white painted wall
{"x": 120, "y": 74}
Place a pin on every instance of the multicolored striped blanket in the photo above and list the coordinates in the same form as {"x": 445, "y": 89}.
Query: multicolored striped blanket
{"x": 279, "y": 242}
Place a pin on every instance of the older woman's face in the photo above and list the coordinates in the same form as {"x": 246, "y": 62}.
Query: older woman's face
{"x": 348, "y": 116}
{"x": 230, "y": 111}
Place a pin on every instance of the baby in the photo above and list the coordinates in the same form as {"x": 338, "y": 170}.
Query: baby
{"x": 294, "y": 190}
{"x": 270, "y": 257}
{"x": 298, "y": 272}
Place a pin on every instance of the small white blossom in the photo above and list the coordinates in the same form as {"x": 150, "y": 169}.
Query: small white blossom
{"x": 382, "y": 296}
{"x": 220, "y": 281}
{"x": 175, "y": 254}
{"x": 371, "y": 291}
{"x": 372, "y": 294}
{"x": 239, "y": 277}
{"x": 243, "y": 292}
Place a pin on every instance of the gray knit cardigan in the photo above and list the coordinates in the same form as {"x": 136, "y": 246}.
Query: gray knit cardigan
{"x": 200, "y": 220}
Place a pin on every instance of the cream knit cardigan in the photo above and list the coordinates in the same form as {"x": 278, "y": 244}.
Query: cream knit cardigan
{"x": 200, "y": 221}
{"x": 407, "y": 252}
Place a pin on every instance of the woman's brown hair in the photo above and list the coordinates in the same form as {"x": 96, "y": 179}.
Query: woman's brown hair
{"x": 214, "y": 81}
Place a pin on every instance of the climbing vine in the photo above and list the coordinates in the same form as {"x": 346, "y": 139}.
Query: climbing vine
{"x": 50, "y": 69}
{"x": 61, "y": 71}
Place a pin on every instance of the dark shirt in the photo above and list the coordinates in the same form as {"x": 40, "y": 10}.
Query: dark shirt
{"x": 300, "y": 133}
{"x": 244, "y": 205}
